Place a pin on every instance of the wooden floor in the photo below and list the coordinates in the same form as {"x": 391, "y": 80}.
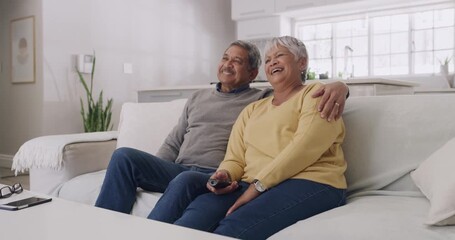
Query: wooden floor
{"x": 7, "y": 177}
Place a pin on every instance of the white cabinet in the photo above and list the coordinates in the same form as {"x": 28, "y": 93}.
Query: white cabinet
{"x": 244, "y": 9}
{"x": 263, "y": 28}
{"x": 283, "y": 6}
{"x": 292, "y": 5}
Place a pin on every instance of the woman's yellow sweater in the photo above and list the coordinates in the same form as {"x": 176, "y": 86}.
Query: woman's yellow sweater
{"x": 274, "y": 143}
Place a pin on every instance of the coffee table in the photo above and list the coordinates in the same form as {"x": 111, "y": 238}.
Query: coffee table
{"x": 62, "y": 219}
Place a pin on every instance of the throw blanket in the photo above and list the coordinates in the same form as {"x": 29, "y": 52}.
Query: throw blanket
{"x": 47, "y": 151}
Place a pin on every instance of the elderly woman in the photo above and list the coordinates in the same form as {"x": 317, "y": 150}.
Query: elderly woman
{"x": 283, "y": 163}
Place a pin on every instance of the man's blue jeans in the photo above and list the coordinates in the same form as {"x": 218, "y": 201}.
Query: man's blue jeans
{"x": 281, "y": 206}
{"x": 131, "y": 168}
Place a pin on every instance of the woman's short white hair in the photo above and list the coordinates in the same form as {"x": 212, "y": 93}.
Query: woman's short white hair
{"x": 294, "y": 45}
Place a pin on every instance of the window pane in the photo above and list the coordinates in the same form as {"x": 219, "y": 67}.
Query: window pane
{"x": 343, "y": 29}
{"x": 352, "y": 28}
{"x": 324, "y": 31}
{"x": 360, "y": 66}
{"x": 381, "y": 24}
{"x": 313, "y": 65}
{"x": 340, "y": 44}
{"x": 360, "y": 46}
{"x": 399, "y": 64}
{"x": 311, "y": 47}
{"x": 323, "y": 49}
{"x": 423, "y": 40}
{"x": 340, "y": 67}
{"x": 381, "y": 65}
{"x": 443, "y": 18}
{"x": 399, "y": 23}
{"x": 323, "y": 66}
{"x": 423, "y": 62}
{"x": 400, "y": 43}
{"x": 423, "y": 20}
{"x": 307, "y": 32}
{"x": 443, "y": 38}
{"x": 381, "y": 44}
{"x": 359, "y": 28}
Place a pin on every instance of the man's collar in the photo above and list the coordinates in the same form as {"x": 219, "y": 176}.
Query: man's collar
{"x": 237, "y": 90}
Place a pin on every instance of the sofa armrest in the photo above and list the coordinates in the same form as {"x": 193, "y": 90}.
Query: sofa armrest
{"x": 78, "y": 159}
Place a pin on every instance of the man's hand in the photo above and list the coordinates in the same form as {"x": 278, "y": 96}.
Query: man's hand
{"x": 250, "y": 194}
{"x": 333, "y": 100}
{"x": 222, "y": 175}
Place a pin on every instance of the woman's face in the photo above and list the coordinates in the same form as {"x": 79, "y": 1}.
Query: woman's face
{"x": 281, "y": 65}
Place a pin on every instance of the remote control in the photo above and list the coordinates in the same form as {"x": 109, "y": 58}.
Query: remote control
{"x": 218, "y": 184}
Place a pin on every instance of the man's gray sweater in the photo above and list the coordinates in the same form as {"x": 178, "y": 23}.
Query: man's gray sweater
{"x": 201, "y": 135}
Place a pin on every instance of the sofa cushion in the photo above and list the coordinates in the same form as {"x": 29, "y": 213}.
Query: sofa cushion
{"x": 387, "y": 137}
{"x": 372, "y": 218}
{"x": 144, "y": 126}
{"x": 435, "y": 177}
{"x": 86, "y": 188}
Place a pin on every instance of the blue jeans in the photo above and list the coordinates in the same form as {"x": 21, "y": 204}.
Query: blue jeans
{"x": 281, "y": 206}
{"x": 131, "y": 168}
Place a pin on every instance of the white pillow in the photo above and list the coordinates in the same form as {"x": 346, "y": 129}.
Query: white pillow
{"x": 435, "y": 177}
{"x": 144, "y": 126}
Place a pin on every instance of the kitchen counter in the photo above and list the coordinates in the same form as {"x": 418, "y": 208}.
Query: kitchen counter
{"x": 357, "y": 87}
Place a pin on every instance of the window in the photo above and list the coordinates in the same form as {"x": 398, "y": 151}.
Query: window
{"x": 318, "y": 41}
{"x": 390, "y": 45}
{"x": 411, "y": 43}
{"x": 351, "y": 53}
{"x": 433, "y": 39}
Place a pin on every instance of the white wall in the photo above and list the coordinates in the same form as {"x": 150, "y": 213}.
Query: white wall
{"x": 168, "y": 43}
{"x": 20, "y": 104}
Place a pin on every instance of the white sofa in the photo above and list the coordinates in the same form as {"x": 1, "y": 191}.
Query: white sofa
{"x": 387, "y": 138}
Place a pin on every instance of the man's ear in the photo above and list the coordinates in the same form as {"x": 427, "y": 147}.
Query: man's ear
{"x": 253, "y": 74}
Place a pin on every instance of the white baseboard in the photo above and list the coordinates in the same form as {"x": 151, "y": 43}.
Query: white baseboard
{"x": 6, "y": 161}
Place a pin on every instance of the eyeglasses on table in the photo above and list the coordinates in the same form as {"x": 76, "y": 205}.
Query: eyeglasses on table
{"x": 7, "y": 191}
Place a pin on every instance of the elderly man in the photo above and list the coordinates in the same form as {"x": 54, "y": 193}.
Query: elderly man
{"x": 198, "y": 142}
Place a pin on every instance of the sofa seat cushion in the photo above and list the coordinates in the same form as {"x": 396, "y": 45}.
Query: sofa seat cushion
{"x": 370, "y": 217}
{"x": 86, "y": 188}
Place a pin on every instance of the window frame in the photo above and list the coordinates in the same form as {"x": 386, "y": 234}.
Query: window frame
{"x": 410, "y": 11}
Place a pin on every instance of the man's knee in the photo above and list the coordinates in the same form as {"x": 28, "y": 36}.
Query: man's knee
{"x": 190, "y": 178}
{"x": 122, "y": 156}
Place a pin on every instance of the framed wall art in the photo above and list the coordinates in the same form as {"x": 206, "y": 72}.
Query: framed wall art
{"x": 22, "y": 45}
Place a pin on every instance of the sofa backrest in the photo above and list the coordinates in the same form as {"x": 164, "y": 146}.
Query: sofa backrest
{"x": 386, "y": 136}
{"x": 389, "y": 136}
{"x": 144, "y": 126}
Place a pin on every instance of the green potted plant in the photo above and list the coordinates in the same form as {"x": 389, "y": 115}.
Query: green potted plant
{"x": 97, "y": 117}
{"x": 310, "y": 75}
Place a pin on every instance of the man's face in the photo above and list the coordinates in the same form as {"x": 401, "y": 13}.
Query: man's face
{"x": 233, "y": 70}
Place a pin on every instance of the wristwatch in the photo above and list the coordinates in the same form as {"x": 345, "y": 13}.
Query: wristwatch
{"x": 258, "y": 185}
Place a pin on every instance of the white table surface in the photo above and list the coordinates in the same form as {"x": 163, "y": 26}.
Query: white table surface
{"x": 61, "y": 219}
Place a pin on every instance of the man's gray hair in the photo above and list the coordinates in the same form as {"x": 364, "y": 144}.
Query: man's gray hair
{"x": 294, "y": 45}
{"x": 254, "y": 56}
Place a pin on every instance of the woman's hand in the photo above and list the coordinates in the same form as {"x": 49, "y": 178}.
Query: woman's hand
{"x": 250, "y": 194}
{"x": 333, "y": 99}
{"x": 223, "y": 175}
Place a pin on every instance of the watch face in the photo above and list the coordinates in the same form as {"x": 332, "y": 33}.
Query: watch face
{"x": 258, "y": 185}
